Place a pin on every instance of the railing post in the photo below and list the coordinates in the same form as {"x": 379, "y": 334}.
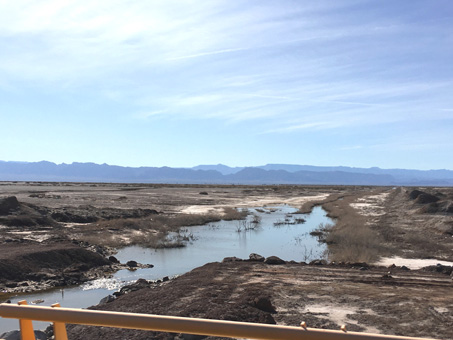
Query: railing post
{"x": 26, "y": 326}
{"x": 59, "y": 328}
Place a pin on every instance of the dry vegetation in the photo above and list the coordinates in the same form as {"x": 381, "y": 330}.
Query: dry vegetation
{"x": 383, "y": 221}
{"x": 158, "y": 231}
{"x": 351, "y": 239}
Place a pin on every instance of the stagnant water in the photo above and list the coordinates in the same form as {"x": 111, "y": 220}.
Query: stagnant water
{"x": 278, "y": 233}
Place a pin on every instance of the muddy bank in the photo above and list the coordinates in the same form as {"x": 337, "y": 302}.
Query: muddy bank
{"x": 364, "y": 298}
{"x": 27, "y": 266}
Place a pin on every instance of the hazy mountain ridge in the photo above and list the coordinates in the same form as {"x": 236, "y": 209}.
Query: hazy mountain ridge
{"x": 222, "y": 174}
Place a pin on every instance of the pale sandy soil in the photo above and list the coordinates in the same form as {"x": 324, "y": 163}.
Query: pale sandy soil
{"x": 252, "y": 202}
{"x": 411, "y": 263}
{"x": 371, "y": 205}
{"x": 339, "y": 314}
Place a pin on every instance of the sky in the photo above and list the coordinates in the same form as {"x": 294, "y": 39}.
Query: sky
{"x": 243, "y": 83}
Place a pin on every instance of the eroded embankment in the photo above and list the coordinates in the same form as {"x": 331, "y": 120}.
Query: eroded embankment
{"x": 28, "y": 266}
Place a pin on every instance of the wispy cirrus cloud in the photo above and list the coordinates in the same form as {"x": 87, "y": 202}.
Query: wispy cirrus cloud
{"x": 361, "y": 71}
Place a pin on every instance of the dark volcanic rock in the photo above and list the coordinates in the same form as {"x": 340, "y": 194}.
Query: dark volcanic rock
{"x": 274, "y": 260}
{"x": 137, "y": 285}
{"x": 231, "y": 259}
{"x": 107, "y": 299}
{"x": 440, "y": 268}
{"x": 132, "y": 264}
{"x": 322, "y": 263}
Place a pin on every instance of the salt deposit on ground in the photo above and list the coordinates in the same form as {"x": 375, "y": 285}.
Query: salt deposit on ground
{"x": 255, "y": 201}
{"x": 411, "y": 263}
{"x": 371, "y": 205}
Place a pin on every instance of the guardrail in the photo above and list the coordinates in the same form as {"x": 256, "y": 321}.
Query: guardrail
{"x": 60, "y": 316}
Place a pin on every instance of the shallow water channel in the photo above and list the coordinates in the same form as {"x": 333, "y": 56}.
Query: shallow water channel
{"x": 279, "y": 233}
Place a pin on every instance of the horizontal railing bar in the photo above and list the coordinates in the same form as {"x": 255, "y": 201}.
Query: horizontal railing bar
{"x": 175, "y": 324}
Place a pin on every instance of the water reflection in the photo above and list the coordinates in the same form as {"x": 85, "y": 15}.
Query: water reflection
{"x": 209, "y": 243}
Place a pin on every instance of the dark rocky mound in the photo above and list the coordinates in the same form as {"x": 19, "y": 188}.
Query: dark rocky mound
{"x": 439, "y": 268}
{"x": 426, "y": 198}
{"x": 16, "y": 214}
{"x": 414, "y": 194}
{"x": 89, "y": 214}
{"x": 8, "y": 205}
{"x": 274, "y": 260}
{"x": 209, "y": 299}
{"x": 421, "y": 197}
{"x": 62, "y": 263}
{"x": 438, "y": 207}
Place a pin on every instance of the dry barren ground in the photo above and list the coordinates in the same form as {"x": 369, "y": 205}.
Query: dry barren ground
{"x": 373, "y": 225}
{"x": 411, "y": 303}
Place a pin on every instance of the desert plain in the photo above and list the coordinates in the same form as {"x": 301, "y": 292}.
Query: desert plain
{"x": 387, "y": 268}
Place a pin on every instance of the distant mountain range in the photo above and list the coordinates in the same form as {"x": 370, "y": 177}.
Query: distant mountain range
{"x": 222, "y": 174}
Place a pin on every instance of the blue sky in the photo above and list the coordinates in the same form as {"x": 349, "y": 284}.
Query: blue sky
{"x": 182, "y": 83}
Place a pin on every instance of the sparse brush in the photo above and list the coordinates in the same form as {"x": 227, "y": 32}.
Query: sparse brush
{"x": 354, "y": 244}
{"x": 256, "y": 219}
{"x": 158, "y": 231}
{"x": 230, "y": 214}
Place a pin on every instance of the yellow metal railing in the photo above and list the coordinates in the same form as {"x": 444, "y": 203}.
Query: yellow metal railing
{"x": 60, "y": 316}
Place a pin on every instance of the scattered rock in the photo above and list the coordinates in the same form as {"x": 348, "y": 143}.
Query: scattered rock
{"x": 231, "y": 259}
{"x": 318, "y": 263}
{"x": 274, "y": 260}
{"x": 113, "y": 259}
{"x": 203, "y": 193}
{"x": 132, "y": 264}
{"x": 137, "y": 285}
{"x": 107, "y": 299}
{"x": 360, "y": 264}
{"x": 256, "y": 257}
{"x": 439, "y": 268}
{"x": 405, "y": 268}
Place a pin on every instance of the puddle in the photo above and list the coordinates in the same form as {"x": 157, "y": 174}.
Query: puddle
{"x": 280, "y": 233}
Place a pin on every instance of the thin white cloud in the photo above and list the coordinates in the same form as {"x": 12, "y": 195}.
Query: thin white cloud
{"x": 305, "y": 126}
{"x": 230, "y": 50}
{"x": 295, "y": 67}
